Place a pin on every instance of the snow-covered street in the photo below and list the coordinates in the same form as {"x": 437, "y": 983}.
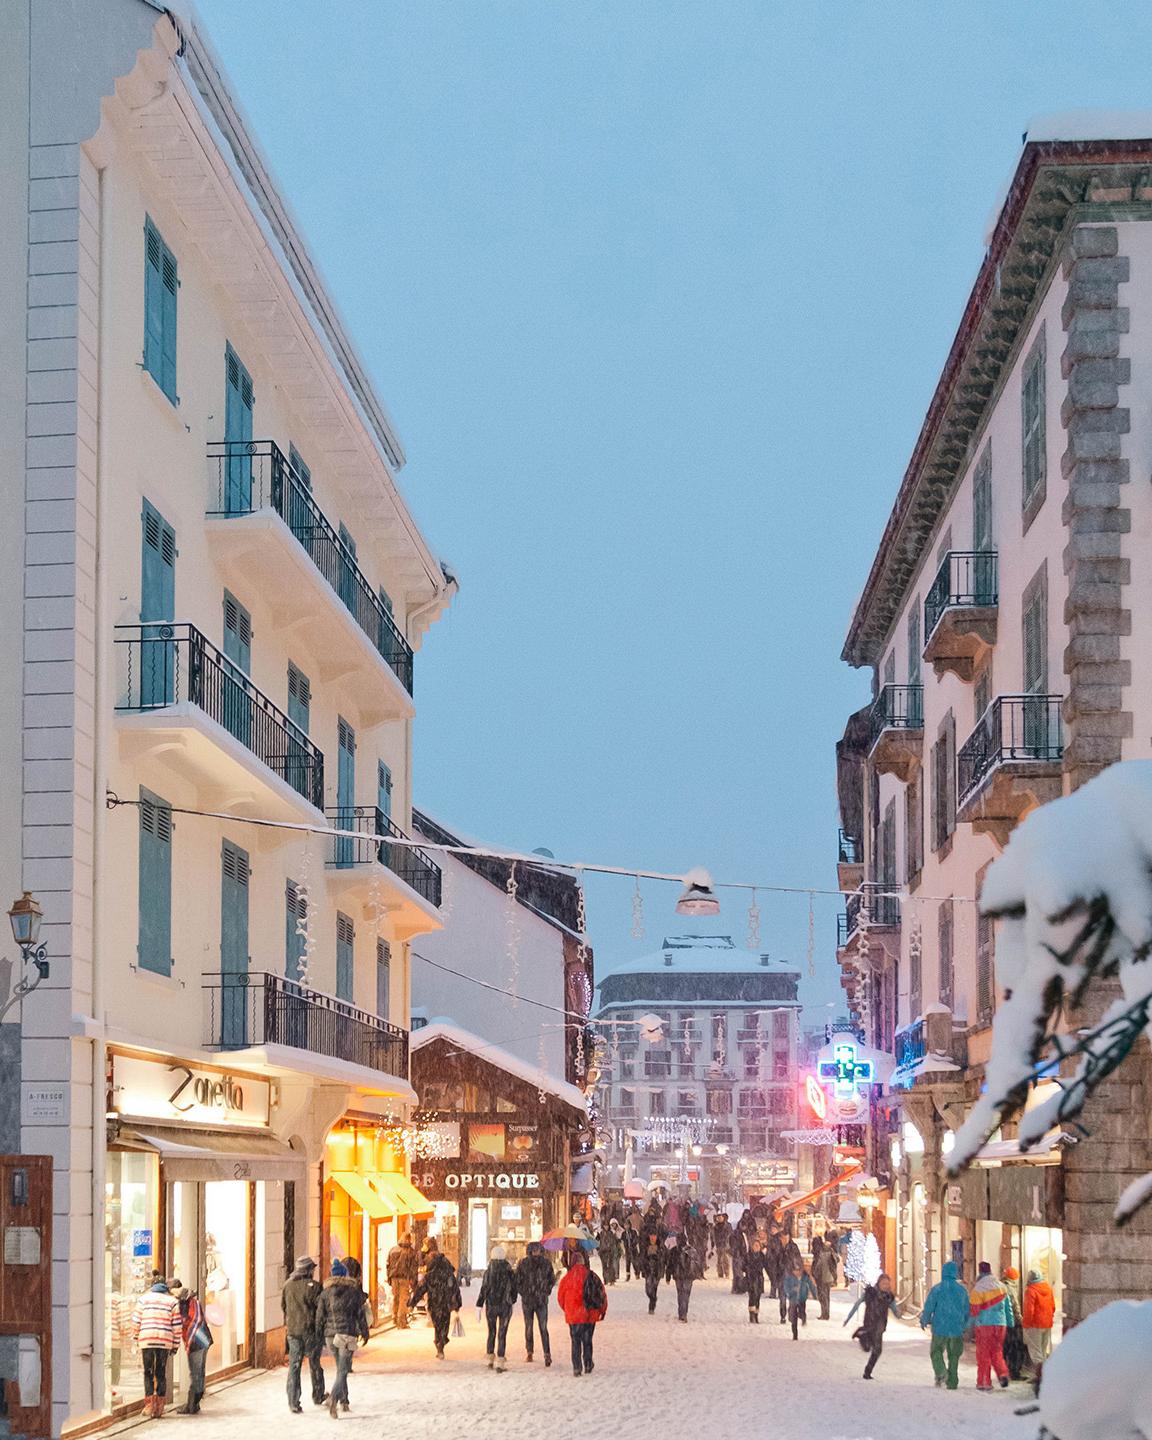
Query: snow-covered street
{"x": 712, "y": 1379}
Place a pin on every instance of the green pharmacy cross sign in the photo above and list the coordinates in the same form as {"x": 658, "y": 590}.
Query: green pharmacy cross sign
{"x": 846, "y": 1070}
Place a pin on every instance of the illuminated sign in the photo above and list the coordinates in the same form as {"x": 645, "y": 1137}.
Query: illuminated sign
{"x": 846, "y": 1070}
{"x": 173, "y": 1091}
{"x": 816, "y": 1097}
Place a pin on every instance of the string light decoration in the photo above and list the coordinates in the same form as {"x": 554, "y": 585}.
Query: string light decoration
{"x": 512, "y": 928}
{"x": 637, "y": 912}
{"x": 304, "y": 916}
{"x": 423, "y": 1137}
{"x": 752, "y": 940}
{"x": 811, "y": 934}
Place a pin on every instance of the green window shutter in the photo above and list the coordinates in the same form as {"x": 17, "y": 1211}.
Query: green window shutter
{"x": 383, "y": 977}
{"x": 914, "y": 646}
{"x": 384, "y": 789}
{"x": 345, "y": 952}
{"x": 168, "y": 288}
{"x": 1036, "y": 641}
{"x": 1032, "y": 417}
{"x": 982, "y": 504}
{"x": 153, "y": 304}
{"x": 155, "y": 941}
{"x": 297, "y": 464}
{"x": 237, "y": 633}
{"x": 299, "y": 698}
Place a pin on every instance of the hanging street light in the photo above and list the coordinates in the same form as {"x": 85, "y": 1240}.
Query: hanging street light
{"x": 698, "y": 896}
{"x": 25, "y": 917}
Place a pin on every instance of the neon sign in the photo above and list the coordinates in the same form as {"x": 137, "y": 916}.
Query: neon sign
{"x": 846, "y": 1070}
{"x": 816, "y": 1097}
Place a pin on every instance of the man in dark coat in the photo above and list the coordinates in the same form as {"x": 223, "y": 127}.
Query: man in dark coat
{"x": 298, "y": 1301}
{"x": 774, "y": 1259}
{"x": 341, "y": 1319}
{"x": 754, "y": 1280}
{"x": 402, "y": 1269}
{"x": 441, "y": 1289}
{"x": 535, "y": 1278}
{"x": 684, "y": 1273}
{"x": 652, "y": 1237}
{"x": 824, "y": 1277}
{"x": 497, "y": 1298}
{"x": 610, "y": 1248}
{"x": 722, "y": 1244}
{"x": 741, "y": 1238}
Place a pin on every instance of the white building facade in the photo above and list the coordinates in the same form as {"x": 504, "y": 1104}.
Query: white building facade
{"x": 212, "y": 596}
{"x": 1003, "y": 624}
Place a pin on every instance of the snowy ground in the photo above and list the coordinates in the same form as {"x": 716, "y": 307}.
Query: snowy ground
{"x": 713, "y": 1379}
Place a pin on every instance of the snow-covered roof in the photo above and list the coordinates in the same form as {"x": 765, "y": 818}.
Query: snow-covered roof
{"x": 1091, "y": 125}
{"x": 1045, "y": 1152}
{"x": 494, "y": 1055}
{"x": 697, "y": 955}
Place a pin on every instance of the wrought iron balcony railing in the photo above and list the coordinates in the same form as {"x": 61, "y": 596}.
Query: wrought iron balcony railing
{"x": 262, "y": 1009}
{"x": 254, "y": 475}
{"x": 883, "y": 909}
{"x": 1014, "y": 729}
{"x": 966, "y": 579}
{"x": 842, "y": 930}
{"x": 849, "y": 850}
{"x": 410, "y": 863}
{"x": 172, "y": 663}
{"x": 897, "y": 707}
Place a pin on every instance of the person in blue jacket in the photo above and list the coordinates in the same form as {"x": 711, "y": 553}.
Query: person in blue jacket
{"x": 945, "y": 1313}
{"x": 796, "y": 1287}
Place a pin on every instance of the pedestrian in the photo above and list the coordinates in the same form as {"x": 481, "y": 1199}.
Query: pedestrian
{"x": 741, "y": 1244}
{"x": 439, "y": 1286}
{"x": 879, "y": 1302}
{"x": 632, "y": 1243}
{"x": 754, "y": 1280}
{"x": 684, "y": 1273}
{"x": 945, "y": 1313}
{"x": 722, "y": 1244}
{"x": 652, "y": 1238}
{"x": 158, "y": 1331}
{"x": 401, "y": 1273}
{"x": 497, "y": 1298}
{"x": 988, "y": 1316}
{"x": 824, "y": 1277}
{"x": 1039, "y": 1316}
{"x": 610, "y": 1248}
{"x": 341, "y": 1322}
{"x": 1015, "y": 1348}
{"x": 197, "y": 1343}
{"x": 534, "y": 1280}
{"x": 774, "y": 1262}
{"x": 298, "y": 1301}
{"x": 584, "y": 1300}
{"x": 795, "y": 1288}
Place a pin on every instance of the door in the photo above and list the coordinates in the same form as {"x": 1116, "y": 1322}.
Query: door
{"x": 237, "y": 664}
{"x": 157, "y": 603}
{"x": 235, "y": 877}
{"x": 345, "y": 790}
{"x": 348, "y": 586}
{"x": 239, "y": 399}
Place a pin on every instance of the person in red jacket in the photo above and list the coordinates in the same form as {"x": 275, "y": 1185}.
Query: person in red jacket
{"x": 581, "y": 1321}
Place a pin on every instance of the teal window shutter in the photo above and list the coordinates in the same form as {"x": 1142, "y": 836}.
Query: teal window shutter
{"x": 384, "y": 789}
{"x": 161, "y": 285}
{"x": 236, "y": 875}
{"x": 297, "y": 464}
{"x": 299, "y": 698}
{"x": 383, "y": 976}
{"x": 155, "y": 942}
{"x": 168, "y": 287}
{"x": 345, "y": 950}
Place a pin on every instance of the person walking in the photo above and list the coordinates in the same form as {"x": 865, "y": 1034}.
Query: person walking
{"x": 341, "y": 1322}
{"x": 584, "y": 1300}
{"x": 534, "y": 1280}
{"x": 197, "y": 1343}
{"x": 774, "y": 1261}
{"x": 652, "y": 1237}
{"x": 795, "y": 1288}
{"x": 722, "y": 1244}
{"x": 497, "y": 1298}
{"x": 1015, "y": 1350}
{"x": 158, "y": 1331}
{"x": 631, "y": 1244}
{"x": 440, "y": 1287}
{"x": 988, "y": 1316}
{"x": 754, "y": 1272}
{"x": 610, "y": 1247}
{"x": 402, "y": 1268}
{"x": 298, "y": 1301}
{"x": 684, "y": 1266}
{"x": 945, "y": 1313}
{"x": 1039, "y": 1316}
{"x": 879, "y": 1302}
{"x": 824, "y": 1277}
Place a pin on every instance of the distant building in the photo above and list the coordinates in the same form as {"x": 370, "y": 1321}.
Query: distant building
{"x": 720, "y": 1074}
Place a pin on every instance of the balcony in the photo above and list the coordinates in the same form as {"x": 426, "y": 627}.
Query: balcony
{"x": 284, "y": 1022}
{"x": 849, "y": 862}
{"x": 929, "y": 1049}
{"x": 1011, "y": 763}
{"x": 403, "y": 880}
{"x": 882, "y": 911}
{"x": 269, "y": 534}
{"x": 896, "y": 730}
{"x": 960, "y": 612}
{"x": 183, "y": 701}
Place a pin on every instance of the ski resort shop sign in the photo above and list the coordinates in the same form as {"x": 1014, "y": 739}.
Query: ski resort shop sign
{"x": 445, "y": 1184}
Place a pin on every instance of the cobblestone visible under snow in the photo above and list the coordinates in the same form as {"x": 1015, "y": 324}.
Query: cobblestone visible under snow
{"x": 715, "y": 1378}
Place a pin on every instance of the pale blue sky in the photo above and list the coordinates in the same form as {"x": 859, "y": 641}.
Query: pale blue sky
{"x": 657, "y": 294}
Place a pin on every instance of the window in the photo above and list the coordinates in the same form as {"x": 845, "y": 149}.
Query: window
{"x": 944, "y": 783}
{"x": 303, "y": 473}
{"x": 914, "y": 645}
{"x": 780, "y": 1102}
{"x": 944, "y": 940}
{"x": 235, "y": 881}
{"x": 627, "y": 1067}
{"x": 1032, "y": 425}
{"x": 384, "y": 789}
{"x": 686, "y": 1102}
{"x": 780, "y": 1024}
{"x": 883, "y": 904}
{"x": 160, "y": 287}
{"x": 914, "y": 827}
{"x": 296, "y": 913}
{"x": 345, "y": 952}
{"x": 915, "y": 978}
{"x": 627, "y": 1105}
{"x": 299, "y": 697}
{"x": 982, "y": 503}
{"x": 719, "y": 1102}
{"x": 752, "y": 1062}
{"x": 239, "y": 401}
{"x": 383, "y": 977}
{"x": 985, "y": 970}
{"x": 657, "y": 1064}
{"x": 752, "y": 1102}
{"x": 1034, "y": 624}
{"x": 154, "y": 949}
{"x": 656, "y": 1102}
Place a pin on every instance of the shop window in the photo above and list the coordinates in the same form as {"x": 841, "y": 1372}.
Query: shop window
{"x": 131, "y": 1221}
{"x": 226, "y": 1266}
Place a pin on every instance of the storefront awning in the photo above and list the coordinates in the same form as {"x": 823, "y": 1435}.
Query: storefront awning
{"x": 217, "y": 1155}
{"x": 382, "y": 1195}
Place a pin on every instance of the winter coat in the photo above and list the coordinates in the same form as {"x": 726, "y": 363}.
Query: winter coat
{"x": 497, "y": 1289}
{"x": 403, "y": 1264}
{"x": 774, "y": 1256}
{"x": 299, "y": 1300}
{"x": 684, "y": 1264}
{"x": 571, "y": 1298}
{"x": 797, "y": 1288}
{"x": 754, "y": 1272}
{"x": 722, "y": 1235}
{"x": 946, "y": 1309}
{"x": 824, "y": 1267}
{"x": 535, "y": 1278}
{"x": 652, "y": 1238}
{"x": 439, "y": 1286}
{"x": 988, "y": 1303}
{"x": 878, "y": 1305}
{"x": 156, "y": 1322}
{"x": 791, "y": 1255}
{"x": 340, "y": 1310}
{"x": 1012, "y": 1304}
{"x": 197, "y": 1334}
{"x": 1039, "y": 1306}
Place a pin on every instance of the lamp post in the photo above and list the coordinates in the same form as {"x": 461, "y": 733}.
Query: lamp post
{"x": 25, "y": 917}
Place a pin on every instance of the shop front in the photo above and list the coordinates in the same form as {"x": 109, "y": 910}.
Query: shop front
{"x": 195, "y": 1184}
{"x": 482, "y": 1206}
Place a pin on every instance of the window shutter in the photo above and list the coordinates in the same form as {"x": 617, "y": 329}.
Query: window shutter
{"x": 169, "y": 287}
{"x": 237, "y": 633}
{"x": 299, "y": 698}
{"x": 383, "y": 977}
{"x": 304, "y": 474}
{"x": 153, "y": 302}
{"x": 1036, "y": 637}
{"x": 950, "y": 772}
{"x": 345, "y": 942}
{"x": 982, "y": 503}
{"x": 914, "y": 646}
{"x": 1032, "y": 418}
{"x": 155, "y": 931}
{"x": 944, "y": 922}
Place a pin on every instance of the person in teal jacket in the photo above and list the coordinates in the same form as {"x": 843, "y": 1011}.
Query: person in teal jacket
{"x": 946, "y": 1314}
{"x": 795, "y": 1288}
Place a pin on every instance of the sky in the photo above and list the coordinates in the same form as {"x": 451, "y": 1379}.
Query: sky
{"x": 657, "y": 294}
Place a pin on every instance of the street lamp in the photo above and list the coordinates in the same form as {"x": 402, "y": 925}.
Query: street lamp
{"x": 25, "y": 917}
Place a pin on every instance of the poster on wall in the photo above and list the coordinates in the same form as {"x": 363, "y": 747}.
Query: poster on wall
{"x": 486, "y": 1142}
{"x": 523, "y": 1141}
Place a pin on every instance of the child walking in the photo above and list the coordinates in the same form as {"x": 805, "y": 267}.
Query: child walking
{"x": 879, "y": 1302}
{"x": 798, "y": 1286}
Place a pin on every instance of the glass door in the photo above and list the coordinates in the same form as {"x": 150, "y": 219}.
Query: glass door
{"x": 227, "y": 1269}
{"x": 131, "y": 1253}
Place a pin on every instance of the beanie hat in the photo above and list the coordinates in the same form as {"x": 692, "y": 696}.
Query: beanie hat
{"x": 1011, "y": 1273}
{"x": 984, "y": 1268}
{"x": 498, "y": 1252}
{"x": 339, "y": 1269}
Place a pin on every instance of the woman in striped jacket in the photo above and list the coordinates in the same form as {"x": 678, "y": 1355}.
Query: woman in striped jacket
{"x": 158, "y": 1329}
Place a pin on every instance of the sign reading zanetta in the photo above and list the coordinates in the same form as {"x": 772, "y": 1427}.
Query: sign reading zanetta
{"x": 180, "y": 1093}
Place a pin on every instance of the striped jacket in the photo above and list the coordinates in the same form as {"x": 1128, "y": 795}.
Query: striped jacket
{"x": 157, "y": 1324}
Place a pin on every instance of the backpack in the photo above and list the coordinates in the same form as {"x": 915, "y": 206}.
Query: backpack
{"x": 594, "y": 1297}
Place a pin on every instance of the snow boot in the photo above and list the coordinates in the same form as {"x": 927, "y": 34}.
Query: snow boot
{"x": 1003, "y": 1382}
{"x": 501, "y": 1366}
{"x": 547, "y": 1361}
{"x": 528, "y": 1356}
{"x": 491, "y": 1361}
